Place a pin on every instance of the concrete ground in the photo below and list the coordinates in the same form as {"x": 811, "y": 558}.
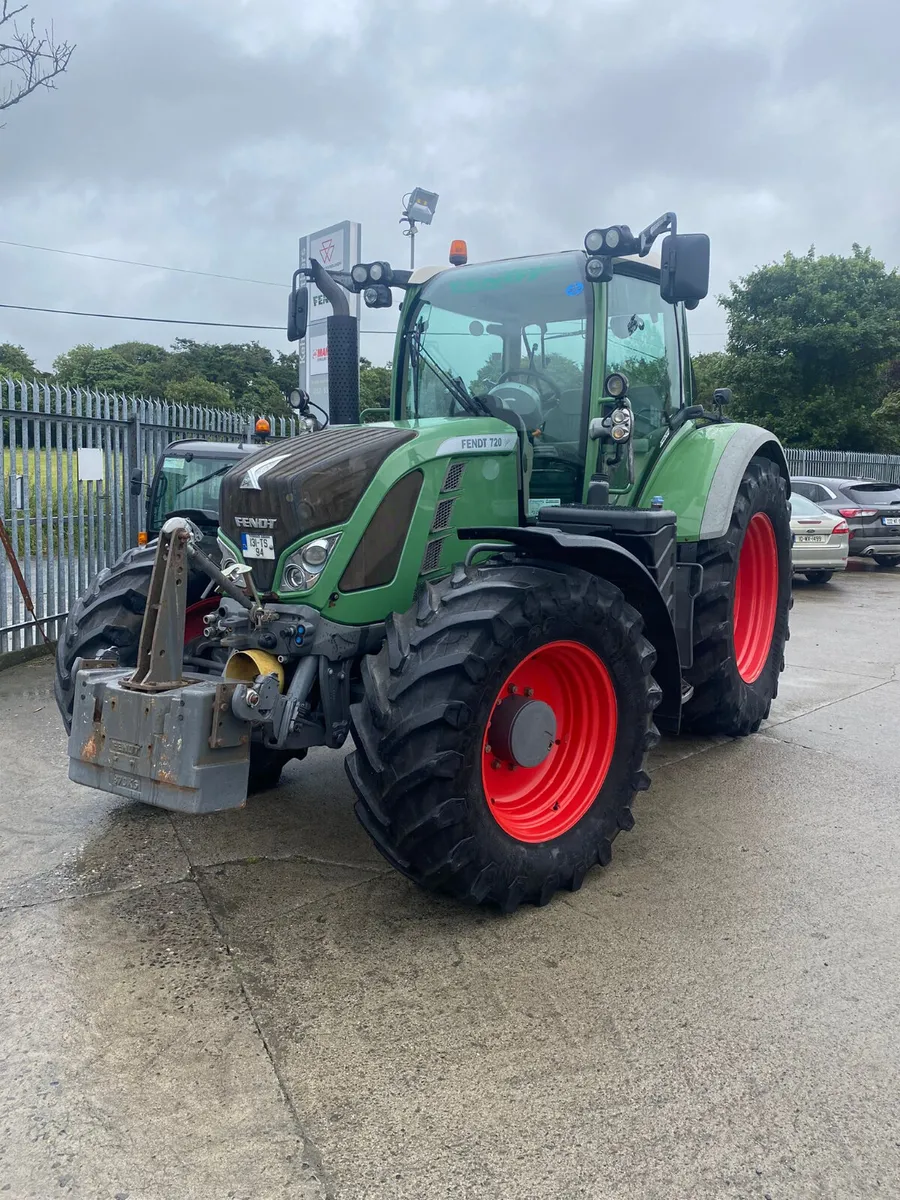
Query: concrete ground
{"x": 252, "y": 1006}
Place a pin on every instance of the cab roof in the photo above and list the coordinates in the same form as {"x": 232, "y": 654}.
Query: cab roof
{"x": 423, "y": 274}
{"x": 203, "y": 449}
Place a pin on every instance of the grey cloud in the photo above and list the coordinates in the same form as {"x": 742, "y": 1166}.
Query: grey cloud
{"x": 212, "y": 134}
{"x": 157, "y": 95}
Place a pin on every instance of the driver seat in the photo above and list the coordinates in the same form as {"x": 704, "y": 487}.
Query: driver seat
{"x": 562, "y": 427}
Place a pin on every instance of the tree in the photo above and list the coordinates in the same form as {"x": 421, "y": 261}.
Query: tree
{"x": 16, "y": 364}
{"x": 91, "y": 367}
{"x": 263, "y": 395}
{"x": 711, "y": 371}
{"x": 28, "y": 60}
{"x": 374, "y": 386}
{"x": 808, "y": 337}
{"x": 197, "y": 390}
{"x": 562, "y": 371}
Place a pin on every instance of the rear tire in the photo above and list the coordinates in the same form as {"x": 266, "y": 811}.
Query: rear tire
{"x": 108, "y": 617}
{"x": 886, "y": 562}
{"x": 819, "y": 576}
{"x": 734, "y": 676}
{"x": 433, "y": 692}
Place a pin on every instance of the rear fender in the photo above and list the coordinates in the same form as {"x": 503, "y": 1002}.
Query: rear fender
{"x": 700, "y": 471}
{"x": 612, "y": 562}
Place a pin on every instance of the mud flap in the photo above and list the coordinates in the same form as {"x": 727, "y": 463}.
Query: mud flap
{"x": 181, "y": 749}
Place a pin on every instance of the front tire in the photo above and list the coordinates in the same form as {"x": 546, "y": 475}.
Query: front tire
{"x": 819, "y": 576}
{"x": 741, "y": 614}
{"x": 481, "y": 822}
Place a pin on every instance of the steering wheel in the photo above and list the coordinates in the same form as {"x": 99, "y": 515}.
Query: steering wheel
{"x": 554, "y": 392}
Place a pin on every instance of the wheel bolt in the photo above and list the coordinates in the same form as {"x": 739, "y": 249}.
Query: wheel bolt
{"x": 496, "y": 764}
{"x": 529, "y": 692}
{"x": 487, "y": 750}
{"x": 513, "y": 689}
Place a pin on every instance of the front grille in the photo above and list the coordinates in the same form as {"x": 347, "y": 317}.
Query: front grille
{"x": 442, "y": 514}
{"x": 432, "y": 557}
{"x": 453, "y": 478}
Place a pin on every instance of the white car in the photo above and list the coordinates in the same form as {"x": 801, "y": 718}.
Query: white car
{"x": 821, "y": 541}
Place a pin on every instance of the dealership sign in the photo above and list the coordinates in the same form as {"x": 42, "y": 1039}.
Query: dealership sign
{"x": 337, "y": 248}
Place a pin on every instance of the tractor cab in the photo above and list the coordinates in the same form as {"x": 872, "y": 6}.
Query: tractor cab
{"x": 530, "y": 341}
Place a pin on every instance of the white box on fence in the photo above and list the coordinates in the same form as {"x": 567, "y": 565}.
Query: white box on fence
{"x": 90, "y": 465}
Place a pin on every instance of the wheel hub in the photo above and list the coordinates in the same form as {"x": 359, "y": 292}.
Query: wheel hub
{"x": 522, "y": 731}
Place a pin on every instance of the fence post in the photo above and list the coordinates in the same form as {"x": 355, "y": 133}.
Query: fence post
{"x": 135, "y": 459}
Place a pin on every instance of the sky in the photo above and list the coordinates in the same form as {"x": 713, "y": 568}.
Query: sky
{"x": 211, "y": 134}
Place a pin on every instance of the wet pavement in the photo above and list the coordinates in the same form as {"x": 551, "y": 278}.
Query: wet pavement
{"x": 251, "y": 1005}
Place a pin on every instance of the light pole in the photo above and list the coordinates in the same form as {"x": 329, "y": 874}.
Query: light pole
{"x": 418, "y": 205}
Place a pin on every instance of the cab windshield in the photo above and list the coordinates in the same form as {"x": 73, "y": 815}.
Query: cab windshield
{"x": 188, "y": 482}
{"x": 515, "y": 335}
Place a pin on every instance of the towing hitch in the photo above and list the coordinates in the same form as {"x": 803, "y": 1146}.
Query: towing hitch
{"x": 158, "y": 733}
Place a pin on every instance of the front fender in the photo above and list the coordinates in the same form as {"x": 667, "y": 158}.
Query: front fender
{"x": 698, "y": 474}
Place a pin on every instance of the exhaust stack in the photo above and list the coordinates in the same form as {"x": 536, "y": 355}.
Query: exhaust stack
{"x": 343, "y": 350}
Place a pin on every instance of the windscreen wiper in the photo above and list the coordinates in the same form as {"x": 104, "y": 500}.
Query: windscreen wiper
{"x": 473, "y": 405}
{"x": 205, "y": 478}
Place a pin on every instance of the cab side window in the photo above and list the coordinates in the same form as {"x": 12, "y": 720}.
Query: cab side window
{"x": 642, "y": 342}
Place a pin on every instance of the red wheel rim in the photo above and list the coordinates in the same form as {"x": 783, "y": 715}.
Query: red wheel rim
{"x": 537, "y": 804}
{"x": 755, "y": 598}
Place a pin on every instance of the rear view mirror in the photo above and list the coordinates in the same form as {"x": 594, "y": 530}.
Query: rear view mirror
{"x": 137, "y": 482}
{"x": 685, "y": 268}
{"x": 298, "y": 310}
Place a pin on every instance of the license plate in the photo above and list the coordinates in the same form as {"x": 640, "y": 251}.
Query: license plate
{"x": 257, "y": 545}
{"x": 812, "y": 537}
{"x": 890, "y": 520}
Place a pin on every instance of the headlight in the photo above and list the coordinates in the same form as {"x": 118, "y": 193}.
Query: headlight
{"x": 315, "y": 555}
{"x": 303, "y": 568}
{"x": 594, "y": 241}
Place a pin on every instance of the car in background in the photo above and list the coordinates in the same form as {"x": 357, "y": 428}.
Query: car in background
{"x": 871, "y": 510}
{"x": 820, "y": 541}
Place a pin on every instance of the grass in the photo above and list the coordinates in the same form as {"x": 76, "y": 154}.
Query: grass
{"x": 62, "y": 466}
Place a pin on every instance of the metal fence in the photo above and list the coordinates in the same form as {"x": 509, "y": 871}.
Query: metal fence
{"x": 68, "y": 514}
{"x": 844, "y": 464}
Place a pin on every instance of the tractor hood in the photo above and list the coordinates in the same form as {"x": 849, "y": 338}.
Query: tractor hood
{"x": 294, "y": 487}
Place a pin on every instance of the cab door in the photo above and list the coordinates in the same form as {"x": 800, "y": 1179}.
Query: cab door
{"x": 644, "y": 340}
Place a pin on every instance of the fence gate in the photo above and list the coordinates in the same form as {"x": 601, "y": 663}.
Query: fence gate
{"x": 67, "y": 456}
{"x": 64, "y": 503}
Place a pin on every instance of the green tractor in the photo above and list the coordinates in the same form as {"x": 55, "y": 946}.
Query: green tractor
{"x": 548, "y": 552}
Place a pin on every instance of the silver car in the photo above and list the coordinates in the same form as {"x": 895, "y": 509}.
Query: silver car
{"x": 821, "y": 541}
